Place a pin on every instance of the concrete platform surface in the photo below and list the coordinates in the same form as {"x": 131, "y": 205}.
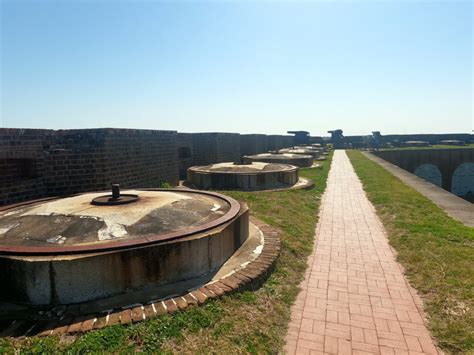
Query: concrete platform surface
{"x": 75, "y": 221}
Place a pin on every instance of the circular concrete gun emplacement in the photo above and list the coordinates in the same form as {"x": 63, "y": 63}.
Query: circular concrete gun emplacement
{"x": 84, "y": 262}
{"x": 251, "y": 176}
{"x": 301, "y": 161}
{"x": 73, "y": 250}
{"x": 315, "y": 153}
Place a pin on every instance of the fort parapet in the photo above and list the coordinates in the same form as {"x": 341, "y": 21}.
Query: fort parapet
{"x": 36, "y": 163}
{"x": 210, "y": 148}
{"x": 40, "y": 163}
{"x": 251, "y": 144}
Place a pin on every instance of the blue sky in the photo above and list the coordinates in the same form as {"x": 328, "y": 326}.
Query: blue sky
{"x": 249, "y": 67}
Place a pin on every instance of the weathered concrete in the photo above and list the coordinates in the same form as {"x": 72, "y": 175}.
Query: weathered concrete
{"x": 299, "y": 160}
{"x": 169, "y": 240}
{"x": 355, "y": 298}
{"x": 75, "y": 221}
{"x": 315, "y": 153}
{"x": 453, "y": 205}
{"x": 251, "y": 176}
{"x": 248, "y": 252}
{"x": 247, "y": 269}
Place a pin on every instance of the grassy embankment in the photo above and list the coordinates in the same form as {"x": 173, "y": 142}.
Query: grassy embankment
{"x": 242, "y": 322}
{"x": 436, "y": 251}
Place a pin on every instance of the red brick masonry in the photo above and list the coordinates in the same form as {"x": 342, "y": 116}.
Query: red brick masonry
{"x": 355, "y": 298}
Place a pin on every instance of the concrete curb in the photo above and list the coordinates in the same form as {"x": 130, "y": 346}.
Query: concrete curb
{"x": 302, "y": 184}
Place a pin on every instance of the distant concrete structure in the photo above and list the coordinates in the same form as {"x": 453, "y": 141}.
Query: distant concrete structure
{"x": 299, "y": 160}
{"x": 415, "y": 144}
{"x": 451, "y": 168}
{"x": 301, "y": 137}
{"x": 356, "y": 142}
{"x": 315, "y": 153}
{"x": 247, "y": 176}
{"x": 337, "y": 139}
{"x": 375, "y": 140}
{"x": 317, "y": 140}
{"x": 452, "y": 142}
{"x": 397, "y": 140}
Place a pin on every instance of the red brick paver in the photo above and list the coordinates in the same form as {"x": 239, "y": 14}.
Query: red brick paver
{"x": 354, "y": 299}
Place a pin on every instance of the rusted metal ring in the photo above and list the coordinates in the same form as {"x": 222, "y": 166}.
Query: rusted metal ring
{"x": 118, "y": 245}
{"x": 109, "y": 200}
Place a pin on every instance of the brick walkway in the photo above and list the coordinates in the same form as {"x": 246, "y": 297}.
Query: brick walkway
{"x": 354, "y": 298}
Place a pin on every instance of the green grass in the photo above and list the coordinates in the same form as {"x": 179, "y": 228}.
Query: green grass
{"x": 251, "y": 322}
{"x": 436, "y": 251}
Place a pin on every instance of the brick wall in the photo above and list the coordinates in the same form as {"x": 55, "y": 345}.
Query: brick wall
{"x": 251, "y": 144}
{"x": 185, "y": 153}
{"x": 228, "y": 147}
{"x": 275, "y": 142}
{"x": 74, "y": 161}
{"x": 209, "y": 148}
{"x": 140, "y": 158}
{"x": 21, "y": 164}
{"x": 288, "y": 141}
{"x": 39, "y": 163}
